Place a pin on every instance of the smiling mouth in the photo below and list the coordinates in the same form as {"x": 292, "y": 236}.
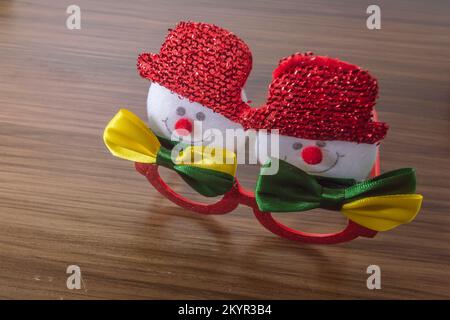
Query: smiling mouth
{"x": 207, "y": 139}
{"x": 332, "y": 166}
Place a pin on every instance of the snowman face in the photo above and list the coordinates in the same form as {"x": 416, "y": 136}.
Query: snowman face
{"x": 337, "y": 159}
{"x": 174, "y": 117}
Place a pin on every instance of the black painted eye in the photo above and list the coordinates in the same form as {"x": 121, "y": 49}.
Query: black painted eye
{"x": 297, "y": 146}
{"x": 181, "y": 111}
{"x": 321, "y": 144}
{"x": 200, "y": 116}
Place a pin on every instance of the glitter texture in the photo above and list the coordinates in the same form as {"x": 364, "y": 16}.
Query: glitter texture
{"x": 320, "y": 98}
{"x": 204, "y": 63}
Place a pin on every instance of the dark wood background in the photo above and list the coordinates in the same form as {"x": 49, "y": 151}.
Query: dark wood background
{"x": 65, "y": 200}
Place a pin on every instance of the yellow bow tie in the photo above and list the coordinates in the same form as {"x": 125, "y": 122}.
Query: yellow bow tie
{"x": 383, "y": 213}
{"x": 210, "y": 171}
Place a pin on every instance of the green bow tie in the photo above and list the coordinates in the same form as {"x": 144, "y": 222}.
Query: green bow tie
{"x": 292, "y": 189}
{"x": 207, "y": 182}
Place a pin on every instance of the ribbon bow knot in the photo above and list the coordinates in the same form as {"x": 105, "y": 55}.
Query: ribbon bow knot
{"x": 207, "y": 170}
{"x": 331, "y": 198}
{"x": 379, "y": 204}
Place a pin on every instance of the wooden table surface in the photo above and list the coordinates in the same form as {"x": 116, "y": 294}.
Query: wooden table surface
{"x": 64, "y": 200}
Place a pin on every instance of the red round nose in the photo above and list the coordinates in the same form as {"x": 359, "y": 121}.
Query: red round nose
{"x": 312, "y": 155}
{"x": 183, "y": 127}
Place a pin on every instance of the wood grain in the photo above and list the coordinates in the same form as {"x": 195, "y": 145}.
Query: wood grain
{"x": 65, "y": 200}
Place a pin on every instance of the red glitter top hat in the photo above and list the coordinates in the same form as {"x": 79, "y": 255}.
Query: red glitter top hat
{"x": 320, "y": 98}
{"x": 204, "y": 63}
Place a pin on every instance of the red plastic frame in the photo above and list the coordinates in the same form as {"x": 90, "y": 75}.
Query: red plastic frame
{"x": 238, "y": 195}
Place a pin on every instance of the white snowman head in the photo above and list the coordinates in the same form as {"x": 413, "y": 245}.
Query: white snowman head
{"x": 322, "y": 109}
{"x": 174, "y": 117}
{"x": 197, "y": 83}
{"x": 327, "y": 158}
